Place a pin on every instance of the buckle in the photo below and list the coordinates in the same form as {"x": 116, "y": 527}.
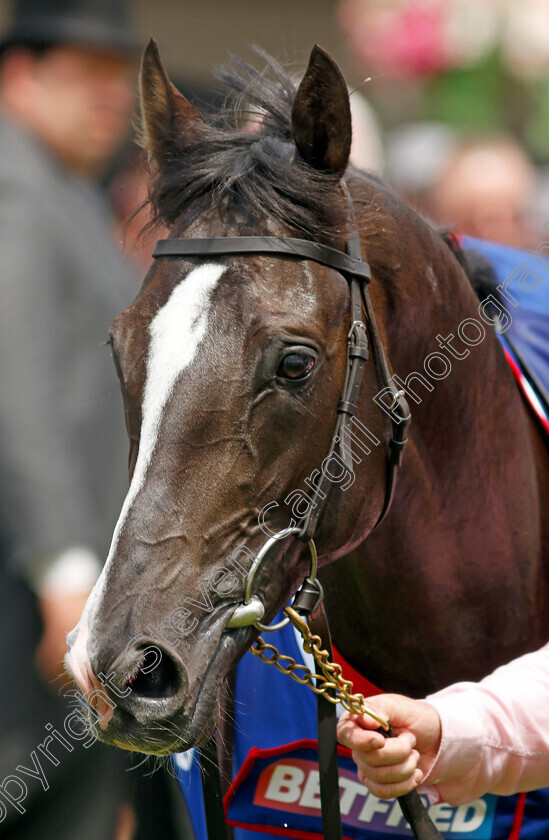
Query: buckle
{"x": 353, "y": 328}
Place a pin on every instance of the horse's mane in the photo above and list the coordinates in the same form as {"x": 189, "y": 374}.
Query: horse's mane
{"x": 244, "y": 158}
{"x": 478, "y": 269}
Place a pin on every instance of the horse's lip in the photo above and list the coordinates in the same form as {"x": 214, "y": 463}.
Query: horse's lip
{"x": 239, "y": 640}
{"x": 125, "y": 732}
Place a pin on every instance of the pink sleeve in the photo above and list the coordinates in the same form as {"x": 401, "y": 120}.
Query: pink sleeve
{"x": 495, "y": 733}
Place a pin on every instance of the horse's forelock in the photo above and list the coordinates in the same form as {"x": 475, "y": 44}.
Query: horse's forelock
{"x": 243, "y": 158}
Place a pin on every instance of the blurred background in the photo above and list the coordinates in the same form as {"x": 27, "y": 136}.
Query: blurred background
{"x": 446, "y": 92}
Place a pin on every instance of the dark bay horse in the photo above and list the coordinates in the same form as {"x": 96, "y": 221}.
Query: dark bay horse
{"x": 232, "y": 369}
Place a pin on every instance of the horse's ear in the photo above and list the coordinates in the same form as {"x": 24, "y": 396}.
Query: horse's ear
{"x": 165, "y": 112}
{"x": 321, "y": 115}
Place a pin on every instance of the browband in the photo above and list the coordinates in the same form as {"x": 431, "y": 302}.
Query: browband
{"x": 225, "y": 246}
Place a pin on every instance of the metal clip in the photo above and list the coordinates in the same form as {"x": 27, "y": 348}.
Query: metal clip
{"x": 353, "y": 327}
{"x": 396, "y": 398}
{"x": 251, "y": 610}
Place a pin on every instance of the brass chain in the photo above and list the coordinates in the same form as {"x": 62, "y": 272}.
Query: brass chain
{"x": 331, "y": 679}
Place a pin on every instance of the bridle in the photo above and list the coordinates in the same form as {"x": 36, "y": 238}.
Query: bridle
{"x": 350, "y": 264}
{"x": 358, "y": 274}
{"x": 363, "y": 322}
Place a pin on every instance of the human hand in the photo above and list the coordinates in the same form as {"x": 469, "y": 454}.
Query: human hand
{"x": 391, "y": 767}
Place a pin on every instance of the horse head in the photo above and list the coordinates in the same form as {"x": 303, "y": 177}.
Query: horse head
{"x": 231, "y": 371}
{"x": 237, "y": 368}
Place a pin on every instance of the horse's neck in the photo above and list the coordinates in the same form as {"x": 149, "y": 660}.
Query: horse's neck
{"x": 452, "y": 583}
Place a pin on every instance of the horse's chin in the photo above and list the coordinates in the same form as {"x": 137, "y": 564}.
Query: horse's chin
{"x": 186, "y": 728}
{"x": 161, "y": 738}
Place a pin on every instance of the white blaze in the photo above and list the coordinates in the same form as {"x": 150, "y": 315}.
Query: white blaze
{"x": 176, "y": 332}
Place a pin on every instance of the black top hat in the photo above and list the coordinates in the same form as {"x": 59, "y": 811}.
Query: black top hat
{"x": 104, "y": 24}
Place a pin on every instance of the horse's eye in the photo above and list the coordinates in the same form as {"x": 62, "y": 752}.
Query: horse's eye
{"x": 296, "y": 366}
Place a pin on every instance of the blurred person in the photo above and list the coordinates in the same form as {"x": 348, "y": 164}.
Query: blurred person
{"x": 66, "y": 96}
{"x": 417, "y": 153}
{"x": 487, "y": 191}
{"x": 128, "y": 187}
{"x": 128, "y": 192}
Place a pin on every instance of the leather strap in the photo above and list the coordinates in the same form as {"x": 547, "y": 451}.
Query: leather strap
{"x": 412, "y": 807}
{"x": 327, "y": 742}
{"x": 400, "y": 413}
{"x": 225, "y": 246}
{"x": 211, "y": 791}
{"x": 415, "y": 813}
{"x": 357, "y": 355}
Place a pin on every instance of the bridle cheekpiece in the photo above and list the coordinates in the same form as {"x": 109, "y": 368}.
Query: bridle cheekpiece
{"x": 350, "y": 264}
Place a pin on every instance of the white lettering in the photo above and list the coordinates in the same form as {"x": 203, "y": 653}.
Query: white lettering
{"x": 15, "y": 800}
{"x": 478, "y": 328}
{"x": 528, "y": 271}
{"x": 311, "y": 791}
{"x": 469, "y": 817}
{"x": 396, "y": 816}
{"x": 441, "y": 816}
{"x": 372, "y": 806}
{"x": 37, "y": 773}
{"x": 285, "y": 784}
{"x": 351, "y": 790}
{"x": 446, "y": 364}
{"x": 206, "y": 604}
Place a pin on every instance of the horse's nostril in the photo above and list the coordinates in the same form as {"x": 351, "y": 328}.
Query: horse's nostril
{"x": 156, "y": 676}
